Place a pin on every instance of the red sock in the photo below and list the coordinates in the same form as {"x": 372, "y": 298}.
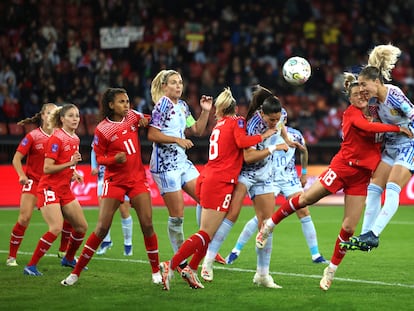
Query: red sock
{"x": 65, "y": 235}
{"x": 151, "y": 245}
{"x": 194, "y": 243}
{"x": 200, "y": 253}
{"x": 16, "y": 238}
{"x": 42, "y": 247}
{"x": 287, "y": 208}
{"x": 75, "y": 241}
{"x": 88, "y": 251}
{"x": 339, "y": 253}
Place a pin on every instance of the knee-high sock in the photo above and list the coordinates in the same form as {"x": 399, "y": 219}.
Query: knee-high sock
{"x": 127, "y": 225}
{"x": 175, "y": 232}
{"x": 249, "y": 229}
{"x": 151, "y": 245}
{"x": 372, "y": 207}
{"x": 392, "y": 200}
{"x": 309, "y": 232}
{"x": 339, "y": 253}
{"x": 75, "y": 241}
{"x": 286, "y": 209}
{"x": 16, "y": 238}
{"x": 65, "y": 235}
{"x": 42, "y": 247}
{"x": 263, "y": 257}
{"x": 198, "y": 214}
{"x": 221, "y": 234}
{"x": 197, "y": 243}
{"x": 88, "y": 251}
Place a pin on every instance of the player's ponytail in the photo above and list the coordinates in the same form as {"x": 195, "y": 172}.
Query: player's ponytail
{"x": 225, "y": 103}
{"x": 259, "y": 96}
{"x": 384, "y": 58}
{"x": 381, "y": 61}
{"x": 350, "y": 81}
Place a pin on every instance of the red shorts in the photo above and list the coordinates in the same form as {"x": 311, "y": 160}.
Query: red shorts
{"x": 354, "y": 180}
{"x": 62, "y": 195}
{"x": 30, "y": 187}
{"x": 214, "y": 194}
{"x": 118, "y": 191}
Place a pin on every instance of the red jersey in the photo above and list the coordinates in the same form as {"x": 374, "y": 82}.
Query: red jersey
{"x": 227, "y": 141}
{"x": 114, "y": 137}
{"x": 60, "y": 147}
{"x": 33, "y": 145}
{"x": 360, "y": 146}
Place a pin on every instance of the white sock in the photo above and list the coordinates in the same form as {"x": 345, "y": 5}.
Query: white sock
{"x": 127, "y": 224}
{"x": 249, "y": 229}
{"x": 198, "y": 214}
{"x": 175, "y": 232}
{"x": 372, "y": 207}
{"x": 309, "y": 231}
{"x": 221, "y": 234}
{"x": 263, "y": 257}
{"x": 392, "y": 200}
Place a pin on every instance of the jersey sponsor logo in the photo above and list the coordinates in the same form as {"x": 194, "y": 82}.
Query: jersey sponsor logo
{"x": 55, "y": 148}
{"x": 24, "y": 141}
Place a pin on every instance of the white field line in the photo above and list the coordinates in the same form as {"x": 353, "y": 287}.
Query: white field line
{"x": 219, "y": 267}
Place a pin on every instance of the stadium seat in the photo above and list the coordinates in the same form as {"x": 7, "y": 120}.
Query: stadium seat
{"x": 81, "y": 130}
{"x": 3, "y": 129}
{"x": 29, "y": 127}
{"x": 15, "y": 129}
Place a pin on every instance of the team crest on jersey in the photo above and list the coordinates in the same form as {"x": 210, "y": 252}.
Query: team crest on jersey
{"x": 240, "y": 123}
{"x": 113, "y": 138}
{"x": 67, "y": 148}
{"x": 39, "y": 146}
{"x": 133, "y": 128}
{"x": 24, "y": 141}
{"x": 394, "y": 112}
{"x": 55, "y": 148}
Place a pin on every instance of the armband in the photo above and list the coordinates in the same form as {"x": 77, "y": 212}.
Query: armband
{"x": 304, "y": 171}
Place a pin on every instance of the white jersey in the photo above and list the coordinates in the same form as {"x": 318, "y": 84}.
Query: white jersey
{"x": 396, "y": 109}
{"x": 284, "y": 162}
{"x": 172, "y": 120}
{"x": 261, "y": 170}
{"x": 286, "y": 179}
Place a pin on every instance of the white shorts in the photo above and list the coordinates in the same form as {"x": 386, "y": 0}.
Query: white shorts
{"x": 173, "y": 181}
{"x": 287, "y": 187}
{"x": 402, "y": 155}
{"x": 256, "y": 187}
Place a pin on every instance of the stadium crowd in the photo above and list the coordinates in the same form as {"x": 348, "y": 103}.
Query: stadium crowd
{"x": 50, "y": 51}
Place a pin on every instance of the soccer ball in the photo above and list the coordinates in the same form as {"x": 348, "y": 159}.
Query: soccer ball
{"x": 296, "y": 70}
